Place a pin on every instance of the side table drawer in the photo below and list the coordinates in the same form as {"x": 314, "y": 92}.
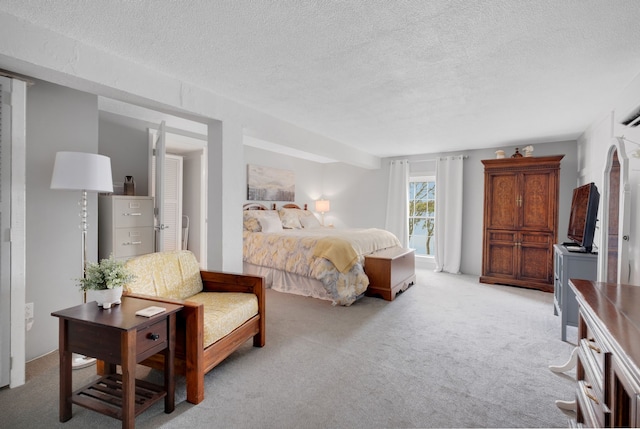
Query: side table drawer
{"x": 151, "y": 338}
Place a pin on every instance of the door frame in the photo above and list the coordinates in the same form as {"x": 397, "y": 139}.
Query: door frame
{"x": 15, "y": 99}
{"x": 617, "y": 144}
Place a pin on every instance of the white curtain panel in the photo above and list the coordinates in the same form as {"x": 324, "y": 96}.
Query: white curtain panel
{"x": 448, "y": 239}
{"x": 397, "y": 220}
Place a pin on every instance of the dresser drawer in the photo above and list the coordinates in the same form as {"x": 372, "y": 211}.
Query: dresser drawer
{"x": 595, "y": 353}
{"x": 151, "y": 338}
{"x": 133, "y": 242}
{"x": 592, "y": 411}
{"x": 133, "y": 212}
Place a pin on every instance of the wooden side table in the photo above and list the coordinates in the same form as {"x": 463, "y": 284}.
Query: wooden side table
{"x": 117, "y": 336}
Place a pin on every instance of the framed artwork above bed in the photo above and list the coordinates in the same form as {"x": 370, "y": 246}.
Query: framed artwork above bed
{"x": 270, "y": 184}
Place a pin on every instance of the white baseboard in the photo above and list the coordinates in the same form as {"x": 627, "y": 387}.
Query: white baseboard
{"x": 425, "y": 262}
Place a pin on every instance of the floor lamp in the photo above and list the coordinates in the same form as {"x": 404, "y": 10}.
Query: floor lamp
{"x": 85, "y": 172}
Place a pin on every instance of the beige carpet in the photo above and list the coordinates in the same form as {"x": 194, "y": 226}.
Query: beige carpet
{"x": 449, "y": 352}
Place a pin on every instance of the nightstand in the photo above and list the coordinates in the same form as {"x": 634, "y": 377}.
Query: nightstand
{"x": 117, "y": 336}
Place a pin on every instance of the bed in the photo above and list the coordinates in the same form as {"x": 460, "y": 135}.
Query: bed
{"x": 295, "y": 254}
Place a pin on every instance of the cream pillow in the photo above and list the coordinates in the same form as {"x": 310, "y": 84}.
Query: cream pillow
{"x": 290, "y": 218}
{"x": 310, "y": 221}
{"x": 270, "y": 224}
{"x": 251, "y": 218}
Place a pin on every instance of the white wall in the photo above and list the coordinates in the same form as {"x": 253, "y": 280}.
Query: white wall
{"x": 58, "y": 119}
{"x": 192, "y": 204}
{"x": 126, "y": 142}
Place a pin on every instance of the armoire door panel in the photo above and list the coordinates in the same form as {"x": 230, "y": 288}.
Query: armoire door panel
{"x": 535, "y": 264}
{"x": 502, "y": 210}
{"x": 537, "y": 197}
{"x": 502, "y": 260}
{"x": 536, "y": 191}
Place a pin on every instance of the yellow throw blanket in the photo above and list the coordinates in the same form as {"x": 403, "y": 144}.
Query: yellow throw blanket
{"x": 337, "y": 250}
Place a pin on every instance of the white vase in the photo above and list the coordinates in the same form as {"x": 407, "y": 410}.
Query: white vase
{"x": 108, "y": 297}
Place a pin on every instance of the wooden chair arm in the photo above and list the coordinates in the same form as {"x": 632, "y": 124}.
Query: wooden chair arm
{"x": 158, "y": 298}
{"x": 214, "y": 281}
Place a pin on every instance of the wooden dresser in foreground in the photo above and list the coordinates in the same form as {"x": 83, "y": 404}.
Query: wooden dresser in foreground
{"x": 608, "y": 392}
{"x": 390, "y": 271}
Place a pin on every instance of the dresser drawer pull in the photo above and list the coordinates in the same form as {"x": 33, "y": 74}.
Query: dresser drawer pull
{"x": 154, "y": 337}
{"x": 594, "y": 348}
{"x": 589, "y": 395}
{"x": 131, "y": 214}
{"x": 132, "y": 243}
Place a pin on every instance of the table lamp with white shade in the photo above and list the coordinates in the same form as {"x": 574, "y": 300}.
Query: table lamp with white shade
{"x": 85, "y": 172}
{"x": 323, "y": 206}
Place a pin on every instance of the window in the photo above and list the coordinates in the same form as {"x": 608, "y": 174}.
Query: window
{"x": 422, "y": 213}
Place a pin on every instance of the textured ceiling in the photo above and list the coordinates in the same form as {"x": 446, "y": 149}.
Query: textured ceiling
{"x": 388, "y": 77}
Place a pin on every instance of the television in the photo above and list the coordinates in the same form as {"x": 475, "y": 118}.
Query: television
{"x": 583, "y": 218}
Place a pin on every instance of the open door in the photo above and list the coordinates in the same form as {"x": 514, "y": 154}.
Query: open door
{"x": 159, "y": 152}
{"x": 185, "y": 184}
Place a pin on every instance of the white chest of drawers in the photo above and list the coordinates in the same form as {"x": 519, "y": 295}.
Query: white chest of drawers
{"x": 125, "y": 226}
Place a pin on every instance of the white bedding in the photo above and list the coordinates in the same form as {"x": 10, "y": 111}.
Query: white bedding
{"x": 295, "y": 251}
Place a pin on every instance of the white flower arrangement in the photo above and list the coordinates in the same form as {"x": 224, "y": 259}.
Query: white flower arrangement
{"x": 108, "y": 274}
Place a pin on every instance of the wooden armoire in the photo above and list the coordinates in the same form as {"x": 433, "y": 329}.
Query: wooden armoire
{"x": 520, "y": 221}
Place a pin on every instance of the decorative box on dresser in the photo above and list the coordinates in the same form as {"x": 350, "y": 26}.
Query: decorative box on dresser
{"x": 570, "y": 265}
{"x": 520, "y": 221}
{"x": 125, "y": 226}
{"x": 608, "y": 391}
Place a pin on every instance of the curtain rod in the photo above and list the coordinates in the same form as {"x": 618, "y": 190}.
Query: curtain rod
{"x": 441, "y": 158}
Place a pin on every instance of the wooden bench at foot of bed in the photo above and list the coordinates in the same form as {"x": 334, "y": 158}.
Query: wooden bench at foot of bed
{"x": 390, "y": 271}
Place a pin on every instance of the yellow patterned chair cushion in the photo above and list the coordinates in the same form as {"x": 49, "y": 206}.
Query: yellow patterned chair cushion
{"x": 174, "y": 274}
{"x": 224, "y": 312}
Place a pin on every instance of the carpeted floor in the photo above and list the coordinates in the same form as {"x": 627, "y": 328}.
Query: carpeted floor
{"x": 449, "y": 352}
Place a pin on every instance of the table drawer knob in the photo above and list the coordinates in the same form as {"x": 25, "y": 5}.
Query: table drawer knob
{"x": 154, "y": 337}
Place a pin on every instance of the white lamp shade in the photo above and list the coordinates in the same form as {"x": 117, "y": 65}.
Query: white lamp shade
{"x": 323, "y": 206}
{"x": 82, "y": 171}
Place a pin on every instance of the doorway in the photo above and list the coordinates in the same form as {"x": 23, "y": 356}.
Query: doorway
{"x": 614, "y": 253}
{"x": 186, "y": 157}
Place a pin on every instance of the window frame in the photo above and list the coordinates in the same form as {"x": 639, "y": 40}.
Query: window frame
{"x": 423, "y": 178}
